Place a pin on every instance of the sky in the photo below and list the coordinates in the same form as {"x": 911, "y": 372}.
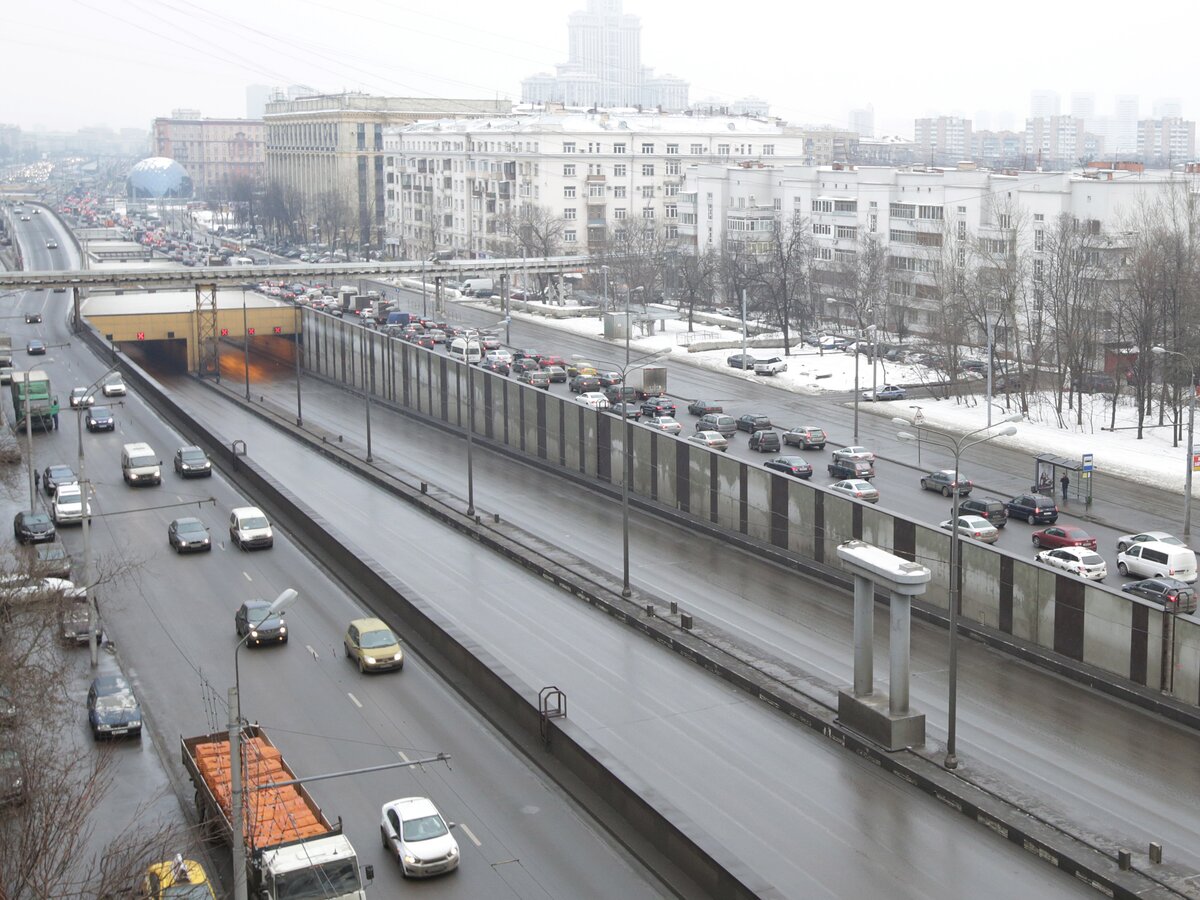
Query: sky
{"x": 79, "y": 63}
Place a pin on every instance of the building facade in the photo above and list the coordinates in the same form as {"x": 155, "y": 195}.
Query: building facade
{"x": 943, "y": 140}
{"x": 1055, "y": 142}
{"x": 223, "y": 156}
{"x": 1166, "y": 142}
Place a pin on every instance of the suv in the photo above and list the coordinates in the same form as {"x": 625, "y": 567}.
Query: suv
{"x": 765, "y": 441}
{"x": 806, "y": 437}
{"x": 986, "y": 508}
{"x": 1036, "y": 509}
{"x": 772, "y": 366}
{"x": 725, "y": 425}
{"x": 945, "y": 482}
{"x": 846, "y": 469}
{"x": 753, "y": 423}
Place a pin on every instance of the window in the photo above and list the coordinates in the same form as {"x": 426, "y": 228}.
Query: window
{"x": 1039, "y": 217}
{"x": 823, "y": 230}
{"x": 647, "y": 148}
{"x": 930, "y": 213}
{"x": 619, "y": 212}
{"x": 845, "y": 206}
{"x": 1037, "y": 269}
{"x": 618, "y": 191}
{"x": 647, "y": 192}
{"x": 962, "y": 231}
{"x": 672, "y": 149}
{"x": 569, "y": 212}
{"x": 823, "y": 253}
{"x": 670, "y": 190}
{"x": 1039, "y": 240}
{"x": 569, "y": 170}
{"x": 618, "y": 148}
{"x": 902, "y": 210}
{"x": 595, "y": 190}
{"x": 962, "y": 210}
{"x": 672, "y": 231}
{"x": 671, "y": 211}
{"x": 648, "y": 212}
{"x": 569, "y": 191}
{"x": 697, "y": 149}
{"x": 1004, "y": 220}
{"x": 872, "y": 222}
{"x": 847, "y": 232}
{"x": 722, "y": 149}
{"x": 569, "y": 236}
{"x": 768, "y": 150}
{"x": 673, "y": 167}
{"x": 620, "y": 170}
{"x": 648, "y": 170}
{"x": 568, "y": 146}
{"x": 822, "y": 206}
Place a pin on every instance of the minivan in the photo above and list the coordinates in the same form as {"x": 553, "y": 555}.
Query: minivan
{"x": 140, "y": 464}
{"x": 469, "y": 350}
{"x": 248, "y": 528}
{"x": 725, "y": 425}
{"x": 1154, "y": 559}
{"x": 985, "y": 507}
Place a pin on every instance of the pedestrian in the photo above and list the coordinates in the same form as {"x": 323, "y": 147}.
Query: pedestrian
{"x": 1066, "y": 483}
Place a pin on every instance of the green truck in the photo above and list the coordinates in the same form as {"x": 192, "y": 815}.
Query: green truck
{"x": 41, "y": 403}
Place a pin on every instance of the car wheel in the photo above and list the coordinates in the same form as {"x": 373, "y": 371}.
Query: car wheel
{"x": 945, "y": 492}
{"x": 1122, "y": 568}
{"x": 1037, "y": 541}
{"x": 383, "y": 836}
{"x": 361, "y": 667}
{"x": 1121, "y": 546}
{"x": 1032, "y": 519}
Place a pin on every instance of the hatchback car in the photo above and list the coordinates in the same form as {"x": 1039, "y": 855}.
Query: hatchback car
{"x": 52, "y": 245}
{"x": 257, "y": 625}
{"x": 249, "y": 528}
{"x": 192, "y": 462}
{"x": 704, "y": 407}
{"x": 1076, "y": 560}
{"x": 610, "y": 379}
{"x": 112, "y": 709}
{"x": 114, "y": 387}
{"x": 54, "y": 475}
{"x": 858, "y": 489}
{"x": 854, "y": 453}
{"x": 945, "y": 483}
{"x": 806, "y": 437}
{"x": 664, "y": 423}
{"x": 36, "y": 347}
{"x": 535, "y": 378}
{"x": 795, "y": 466}
{"x": 33, "y": 318}
{"x": 582, "y": 384}
{"x": 52, "y": 561}
{"x": 976, "y": 527}
{"x": 765, "y": 442}
{"x": 658, "y": 406}
{"x": 1036, "y": 509}
{"x": 1171, "y": 593}
{"x": 1063, "y": 536}
{"x": 582, "y": 368}
{"x": 987, "y": 507}
{"x": 189, "y": 535}
{"x": 100, "y": 418}
{"x": 499, "y": 366}
{"x": 373, "y": 646}
{"x": 414, "y": 831}
{"x": 887, "y": 392}
{"x": 525, "y": 365}
{"x": 80, "y": 398}
{"x": 726, "y": 425}
{"x": 713, "y": 440}
{"x": 32, "y": 526}
{"x": 752, "y": 423}
{"x": 626, "y": 410}
{"x": 1125, "y": 541}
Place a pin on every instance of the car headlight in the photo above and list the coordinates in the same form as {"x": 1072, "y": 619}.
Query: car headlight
{"x": 369, "y": 660}
{"x": 410, "y": 859}
{"x": 205, "y": 541}
{"x": 17, "y": 782}
{"x": 133, "y": 476}
{"x": 135, "y": 723}
{"x": 453, "y": 851}
{"x": 283, "y": 629}
{"x": 253, "y": 632}
{"x": 398, "y": 655}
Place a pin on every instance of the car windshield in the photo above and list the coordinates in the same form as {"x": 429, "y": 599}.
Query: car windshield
{"x": 51, "y": 551}
{"x": 100, "y": 412}
{"x": 373, "y": 640}
{"x": 59, "y": 473}
{"x": 115, "y": 702}
{"x": 334, "y": 879}
{"x": 36, "y": 518}
{"x": 253, "y": 522}
{"x": 140, "y": 461}
{"x": 192, "y": 456}
{"x": 192, "y": 527}
{"x": 424, "y": 828}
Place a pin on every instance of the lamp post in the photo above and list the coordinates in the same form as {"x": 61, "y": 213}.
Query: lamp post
{"x": 870, "y": 329}
{"x": 297, "y": 320}
{"x": 604, "y": 272}
{"x": 237, "y": 803}
{"x": 471, "y": 427}
{"x": 246, "y": 344}
{"x": 957, "y": 446}
{"x": 1187, "y": 475}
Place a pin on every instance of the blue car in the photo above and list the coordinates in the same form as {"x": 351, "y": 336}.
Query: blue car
{"x": 887, "y": 392}
{"x": 113, "y": 711}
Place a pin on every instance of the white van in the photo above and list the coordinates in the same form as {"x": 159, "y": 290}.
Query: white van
{"x": 464, "y": 349}
{"x": 248, "y": 527}
{"x": 140, "y": 464}
{"x": 473, "y": 286}
{"x": 1154, "y": 559}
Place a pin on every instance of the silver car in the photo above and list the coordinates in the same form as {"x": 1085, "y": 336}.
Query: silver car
{"x": 976, "y": 527}
{"x": 714, "y": 440}
{"x": 664, "y": 423}
{"x": 854, "y": 453}
{"x": 1125, "y": 541}
{"x": 858, "y": 489}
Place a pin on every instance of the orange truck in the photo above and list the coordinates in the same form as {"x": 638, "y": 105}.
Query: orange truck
{"x": 291, "y": 848}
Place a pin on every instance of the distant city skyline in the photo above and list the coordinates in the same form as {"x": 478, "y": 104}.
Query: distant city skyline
{"x": 206, "y": 58}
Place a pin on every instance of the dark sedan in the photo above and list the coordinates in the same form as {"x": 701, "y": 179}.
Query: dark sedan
{"x": 626, "y": 410}
{"x": 658, "y": 406}
{"x": 33, "y": 318}
{"x": 1177, "y": 596}
{"x": 1063, "y": 536}
{"x": 36, "y": 347}
{"x": 113, "y": 711}
{"x": 499, "y": 366}
{"x": 525, "y": 365}
{"x": 54, "y": 475}
{"x": 583, "y": 384}
{"x": 753, "y": 423}
{"x": 610, "y": 379}
{"x": 946, "y": 484}
{"x": 795, "y": 466}
{"x": 741, "y": 361}
{"x": 189, "y": 535}
{"x": 32, "y": 526}
{"x": 100, "y": 418}
{"x": 192, "y": 462}
{"x": 256, "y": 623}
{"x": 704, "y": 407}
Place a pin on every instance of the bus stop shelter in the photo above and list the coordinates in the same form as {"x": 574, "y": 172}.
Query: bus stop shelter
{"x": 1048, "y": 471}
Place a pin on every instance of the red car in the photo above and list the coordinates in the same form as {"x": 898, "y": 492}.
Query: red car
{"x": 548, "y": 361}
{"x": 1063, "y": 536}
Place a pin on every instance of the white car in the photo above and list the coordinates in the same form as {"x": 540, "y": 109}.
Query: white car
{"x": 854, "y": 454}
{"x": 114, "y": 387}
{"x": 80, "y": 398}
{"x": 976, "y": 527}
{"x": 772, "y": 366}
{"x": 1125, "y": 541}
{"x": 414, "y": 830}
{"x": 249, "y": 527}
{"x": 858, "y": 489}
{"x": 498, "y": 354}
{"x": 67, "y": 506}
{"x": 1076, "y": 560}
{"x": 664, "y": 423}
{"x": 593, "y": 400}
{"x": 713, "y": 440}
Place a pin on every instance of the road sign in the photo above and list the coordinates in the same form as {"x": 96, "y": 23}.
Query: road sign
{"x": 919, "y": 419}
{"x": 1087, "y": 462}
{"x": 1196, "y": 462}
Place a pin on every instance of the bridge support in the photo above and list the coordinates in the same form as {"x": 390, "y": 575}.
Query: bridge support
{"x": 208, "y": 362}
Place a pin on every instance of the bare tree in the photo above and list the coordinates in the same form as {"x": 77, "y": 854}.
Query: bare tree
{"x": 779, "y": 267}
{"x": 698, "y": 276}
{"x": 635, "y": 251}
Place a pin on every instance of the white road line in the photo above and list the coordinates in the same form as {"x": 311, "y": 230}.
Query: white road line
{"x": 467, "y": 831}
{"x": 400, "y": 753}
{"x": 247, "y": 574}
{"x": 355, "y": 700}
{"x": 312, "y": 652}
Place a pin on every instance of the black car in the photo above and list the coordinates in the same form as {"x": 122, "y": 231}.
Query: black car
{"x": 54, "y": 475}
{"x": 658, "y": 406}
{"x": 849, "y": 469}
{"x": 704, "y": 407}
{"x": 582, "y": 384}
{"x": 985, "y": 507}
{"x": 525, "y": 365}
{"x": 189, "y": 535}
{"x": 33, "y": 318}
{"x": 256, "y": 623}
{"x": 32, "y": 526}
{"x": 796, "y": 466}
{"x": 192, "y": 462}
{"x": 753, "y": 423}
{"x": 100, "y": 418}
{"x": 499, "y": 366}
{"x": 628, "y": 410}
{"x": 36, "y": 347}
{"x": 945, "y": 482}
{"x": 622, "y": 394}
{"x": 610, "y": 379}
{"x": 1036, "y": 509}
{"x": 765, "y": 442}
{"x": 528, "y": 354}
{"x": 112, "y": 709}
{"x": 741, "y": 361}
{"x": 1177, "y": 596}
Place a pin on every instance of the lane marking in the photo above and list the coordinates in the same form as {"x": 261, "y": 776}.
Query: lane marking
{"x": 247, "y": 574}
{"x": 400, "y": 753}
{"x": 467, "y": 831}
{"x": 354, "y": 700}
{"x": 312, "y": 652}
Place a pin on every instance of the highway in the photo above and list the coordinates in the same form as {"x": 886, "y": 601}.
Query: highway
{"x": 172, "y": 621}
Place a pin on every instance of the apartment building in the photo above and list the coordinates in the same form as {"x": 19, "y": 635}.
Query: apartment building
{"x": 223, "y": 156}
{"x": 942, "y": 140}
{"x": 1167, "y": 141}
{"x": 458, "y": 184}
{"x": 1056, "y": 141}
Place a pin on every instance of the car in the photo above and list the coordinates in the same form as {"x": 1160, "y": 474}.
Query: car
{"x": 765, "y": 442}
{"x": 854, "y": 453}
{"x": 257, "y": 625}
{"x": 525, "y": 365}
{"x": 628, "y": 410}
{"x": 80, "y": 398}
{"x": 557, "y": 374}
{"x": 33, "y": 318}
{"x": 976, "y": 527}
{"x": 658, "y": 406}
{"x": 113, "y": 710}
{"x": 51, "y": 245}
{"x": 726, "y": 425}
{"x": 610, "y": 379}
{"x": 436, "y": 334}
{"x": 114, "y": 387}
{"x": 1063, "y": 536}
{"x": 1171, "y": 593}
{"x": 704, "y": 407}
{"x": 249, "y": 528}
{"x": 846, "y": 469}
{"x": 858, "y": 489}
{"x": 887, "y": 392}
{"x": 499, "y": 366}
{"x": 414, "y": 831}
{"x": 741, "y": 361}
{"x": 100, "y": 418}
{"x": 424, "y": 340}
{"x": 176, "y": 879}
{"x": 714, "y": 440}
{"x": 593, "y": 400}
{"x": 33, "y": 526}
{"x": 752, "y": 423}
{"x": 67, "y": 505}
{"x": 727, "y": 311}
{"x": 987, "y": 507}
{"x": 192, "y": 462}
{"x": 535, "y": 377}
{"x": 36, "y": 347}
{"x": 946, "y": 484}
{"x": 1036, "y": 509}
{"x": 771, "y": 366}
{"x": 581, "y": 383}
{"x": 806, "y": 437}
{"x": 664, "y": 423}
{"x": 1125, "y": 541}
{"x": 52, "y": 561}
{"x": 189, "y": 535}
{"x": 528, "y": 354}
{"x": 373, "y": 646}
{"x": 1076, "y": 560}
{"x": 831, "y": 342}
{"x": 24, "y": 218}
{"x": 6, "y": 373}
{"x": 551, "y": 359}
{"x": 1150, "y": 559}
{"x": 14, "y": 782}
{"x": 795, "y": 466}
{"x": 54, "y": 475}
{"x": 580, "y": 367}
{"x": 75, "y": 624}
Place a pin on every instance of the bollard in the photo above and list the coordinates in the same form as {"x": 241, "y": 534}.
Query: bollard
{"x": 685, "y": 622}
{"x": 424, "y": 487}
{"x": 1155, "y": 852}
{"x": 1125, "y": 860}
{"x": 674, "y": 607}
{"x": 479, "y": 520}
{"x": 650, "y": 610}
{"x": 496, "y": 518}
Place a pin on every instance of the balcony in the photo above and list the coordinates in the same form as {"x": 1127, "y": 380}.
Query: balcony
{"x": 596, "y": 179}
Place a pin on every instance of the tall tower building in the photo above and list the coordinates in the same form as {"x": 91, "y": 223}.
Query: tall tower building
{"x": 1168, "y": 108}
{"x": 1083, "y": 106}
{"x": 863, "y": 121}
{"x": 1125, "y": 123}
{"x": 1043, "y": 104}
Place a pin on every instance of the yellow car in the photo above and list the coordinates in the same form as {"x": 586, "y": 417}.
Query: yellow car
{"x": 373, "y": 646}
{"x": 581, "y": 368}
{"x": 177, "y": 879}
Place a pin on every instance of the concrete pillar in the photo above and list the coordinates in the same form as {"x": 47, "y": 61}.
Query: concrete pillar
{"x": 864, "y": 636}
{"x": 898, "y": 654}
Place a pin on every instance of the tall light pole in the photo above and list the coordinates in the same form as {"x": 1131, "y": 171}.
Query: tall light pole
{"x": 471, "y": 429}
{"x": 1187, "y": 475}
{"x": 870, "y": 329}
{"x": 957, "y": 446}
{"x": 237, "y": 801}
{"x": 604, "y": 272}
{"x": 297, "y": 319}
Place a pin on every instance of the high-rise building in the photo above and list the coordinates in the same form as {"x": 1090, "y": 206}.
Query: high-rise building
{"x": 256, "y": 100}
{"x": 1125, "y": 124}
{"x": 944, "y": 140}
{"x": 1166, "y": 141}
{"x": 604, "y": 66}
{"x": 1083, "y": 106}
{"x": 224, "y": 157}
{"x": 863, "y": 121}
{"x": 1168, "y": 108}
{"x": 1043, "y": 104}
{"x": 1054, "y": 142}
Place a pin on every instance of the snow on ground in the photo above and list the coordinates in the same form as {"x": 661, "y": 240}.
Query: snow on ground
{"x": 1151, "y": 460}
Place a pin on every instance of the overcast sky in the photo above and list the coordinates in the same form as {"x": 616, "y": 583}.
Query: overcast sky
{"x": 90, "y": 62}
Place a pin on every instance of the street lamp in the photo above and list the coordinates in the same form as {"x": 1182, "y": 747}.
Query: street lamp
{"x": 957, "y": 446}
{"x": 604, "y": 272}
{"x": 1187, "y": 476}
{"x": 236, "y": 805}
{"x": 870, "y": 329}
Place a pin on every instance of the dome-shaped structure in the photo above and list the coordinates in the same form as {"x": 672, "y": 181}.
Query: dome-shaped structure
{"x": 158, "y": 177}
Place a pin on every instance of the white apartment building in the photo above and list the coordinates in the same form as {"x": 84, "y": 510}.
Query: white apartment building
{"x": 1054, "y": 141}
{"x": 943, "y": 140}
{"x": 1166, "y": 141}
{"x": 457, "y": 184}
